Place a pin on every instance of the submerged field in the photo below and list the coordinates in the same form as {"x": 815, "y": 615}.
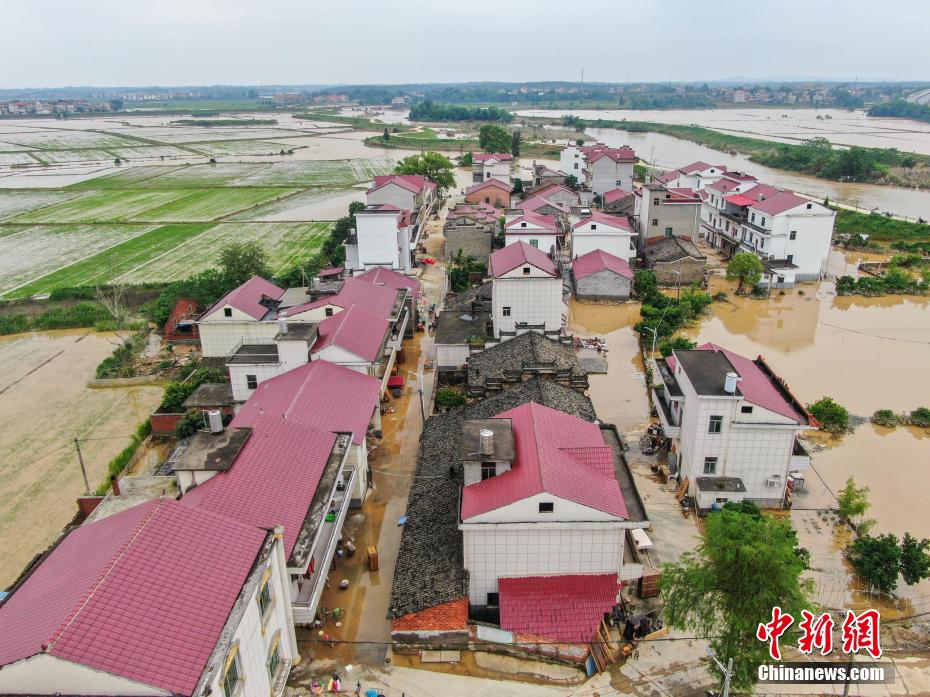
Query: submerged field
{"x": 160, "y": 222}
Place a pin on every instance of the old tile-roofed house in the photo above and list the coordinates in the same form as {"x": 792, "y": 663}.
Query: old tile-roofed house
{"x": 674, "y": 260}
{"x": 430, "y": 570}
{"x": 523, "y": 356}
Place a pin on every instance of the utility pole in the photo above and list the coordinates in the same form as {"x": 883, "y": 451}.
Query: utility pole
{"x": 77, "y": 446}
{"x": 727, "y": 673}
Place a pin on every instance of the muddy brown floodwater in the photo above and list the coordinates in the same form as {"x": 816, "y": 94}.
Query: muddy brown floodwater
{"x": 44, "y": 405}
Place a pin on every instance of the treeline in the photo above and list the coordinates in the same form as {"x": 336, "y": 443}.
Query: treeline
{"x": 658, "y": 100}
{"x": 428, "y": 110}
{"x": 903, "y": 109}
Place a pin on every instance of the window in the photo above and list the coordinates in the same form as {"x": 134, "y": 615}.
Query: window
{"x": 594, "y": 226}
{"x": 781, "y": 279}
{"x": 745, "y": 409}
{"x": 487, "y": 199}
{"x": 533, "y": 243}
{"x": 264, "y": 597}
{"x": 488, "y": 470}
{"x": 618, "y": 183}
{"x": 251, "y": 382}
{"x": 793, "y": 235}
{"x": 328, "y": 312}
{"x": 232, "y": 678}
{"x": 522, "y": 224}
{"x": 668, "y": 232}
{"x": 505, "y": 311}
{"x": 762, "y": 222}
{"x": 790, "y": 258}
{"x": 710, "y": 465}
{"x": 810, "y": 206}
{"x": 493, "y": 599}
{"x": 546, "y": 507}
{"x": 274, "y": 660}
{"x": 655, "y": 202}
{"x": 655, "y": 222}
{"x": 576, "y": 164}
{"x": 715, "y": 425}
{"x": 752, "y": 217}
{"x": 227, "y": 312}
{"x": 721, "y": 501}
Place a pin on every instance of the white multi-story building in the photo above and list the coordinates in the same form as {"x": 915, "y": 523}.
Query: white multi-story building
{"x": 535, "y": 229}
{"x": 495, "y": 165}
{"x": 526, "y": 290}
{"x": 790, "y": 233}
{"x": 592, "y": 231}
{"x": 541, "y": 498}
{"x": 733, "y": 426}
{"x": 384, "y": 235}
{"x": 409, "y": 192}
{"x": 245, "y": 315}
{"x": 665, "y": 211}
{"x": 598, "y": 167}
{"x": 696, "y": 175}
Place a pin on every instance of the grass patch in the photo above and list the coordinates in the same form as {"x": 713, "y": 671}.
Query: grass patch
{"x": 210, "y": 204}
{"x": 109, "y": 206}
{"x": 119, "y": 463}
{"x": 880, "y": 228}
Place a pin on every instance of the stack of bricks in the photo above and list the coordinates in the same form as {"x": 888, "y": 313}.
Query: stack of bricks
{"x": 447, "y": 616}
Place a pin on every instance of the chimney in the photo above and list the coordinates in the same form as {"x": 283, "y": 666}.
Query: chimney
{"x": 282, "y": 326}
{"x": 485, "y": 442}
{"x": 114, "y": 484}
{"x": 729, "y": 383}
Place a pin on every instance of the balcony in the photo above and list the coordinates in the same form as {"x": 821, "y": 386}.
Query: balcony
{"x": 736, "y": 217}
{"x": 800, "y": 458}
{"x": 670, "y": 420}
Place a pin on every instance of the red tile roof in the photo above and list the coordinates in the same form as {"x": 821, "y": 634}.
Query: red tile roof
{"x": 615, "y": 195}
{"x": 246, "y": 298}
{"x": 381, "y": 276}
{"x": 414, "y": 183}
{"x": 598, "y": 260}
{"x": 537, "y": 220}
{"x": 547, "y": 442}
{"x": 566, "y": 608}
{"x": 700, "y": 167}
{"x": 273, "y": 480}
{"x": 499, "y": 156}
{"x": 331, "y": 272}
{"x": 143, "y": 594}
{"x": 670, "y": 176}
{"x": 615, "y": 221}
{"x": 374, "y": 297}
{"x": 723, "y": 185}
{"x": 534, "y": 203}
{"x": 517, "y": 254}
{"x": 320, "y": 394}
{"x": 780, "y": 203}
{"x": 739, "y": 200}
{"x": 594, "y": 153}
{"x": 550, "y": 189}
{"x": 761, "y": 191}
{"x": 489, "y": 183}
{"x": 357, "y": 330}
{"x": 681, "y": 194}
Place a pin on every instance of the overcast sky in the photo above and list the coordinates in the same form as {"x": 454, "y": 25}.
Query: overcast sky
{"x": 201, "y": 42}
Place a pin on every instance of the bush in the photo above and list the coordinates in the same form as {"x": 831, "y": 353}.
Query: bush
{"x": 679, "y": 343}
{"x": 920, "y": 417}
{"x": 189, "y": 424}
{"x": 877, "y": 560}
{"x": 81, "y": 315}
{"x": 14, "y": 324}
{"x": 449, "y": 398}
{"x": 832, "y": 416}
{"x": 177, "y": 392}
{"x": 886, "y": 417}
{"x": 118, "y": 463}
{"x": 119, "y": 363}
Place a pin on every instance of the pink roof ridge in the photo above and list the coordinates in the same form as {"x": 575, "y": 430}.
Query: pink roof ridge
{"x": 615, "y": 195}
{"x": 617, "y": 221}
{"x": 246, "y": 298}
{"x": 545, "y": 440}
{"x": 781, "y": 202}
{"x": 381, "y": 276}
{"x": 356, "y": 329}
{"x": 517, "y": 254}
{"x": 546, "y": 222}
{"x": 598, "y": 260}
{"x": 375, "y": 297}
{"x": 496, "y": 183}
{"x": 414, "y": 183}
{"x": 500, "y": 156}
{"x": 320, "y": 394}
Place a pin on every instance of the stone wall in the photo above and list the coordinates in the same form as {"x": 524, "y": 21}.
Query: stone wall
{"x": 603, "y": 285}
{"x": 692, "y": 271}
{"x": 471, "y": 240}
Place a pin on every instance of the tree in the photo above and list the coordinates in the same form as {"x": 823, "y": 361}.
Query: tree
{"x": 915, "y": 562}
{"x": 831, "y": 415}
{"x": 746, "y": 268}
{"x": 515, "y": 139}
{"x": 853, "y": 502}
{"x": 466, "y": 159}
{"x": 449, "y": 397}
{"x": 579, "y": 142}
{"x": 494, "y": 138}
{"x": 745, "y": 565}
{"x": 645, "y": 284}
{"x": 517, "y": 185}
{"x": 679, "y": 343}
{"x": 435, "y": 167}
{"x": 877, "y": 560}
{"x": 571, "y": 181}
{"x": 386, "y": 136}
{"x": 116, "y": 104}
{"x": 240, "y": 261}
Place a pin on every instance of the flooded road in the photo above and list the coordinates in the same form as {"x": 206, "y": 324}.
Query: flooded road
{"x": 44, "y": 405}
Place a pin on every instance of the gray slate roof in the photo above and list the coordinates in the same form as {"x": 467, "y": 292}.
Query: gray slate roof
{"x": 512, "y": 354}
{"x": 430, "y": 568}
{"x": 463, "y": 301}
{"x": 671, "y": 249}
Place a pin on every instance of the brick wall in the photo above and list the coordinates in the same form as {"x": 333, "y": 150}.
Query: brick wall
{"x": 163, "y": 424}
{"x": 451, "y": 615}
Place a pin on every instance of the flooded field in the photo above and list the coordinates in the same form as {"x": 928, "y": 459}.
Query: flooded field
{"x": 44, "y": 406}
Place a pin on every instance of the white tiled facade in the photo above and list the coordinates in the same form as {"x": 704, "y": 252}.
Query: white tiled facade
{"x": 594, "y": 236}
{"x": 533, "y": 298}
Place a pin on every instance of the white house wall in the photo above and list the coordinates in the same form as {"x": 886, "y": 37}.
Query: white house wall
{"x": 219, "y": 337}
{"x": 393, "y": 195}
{"x": 606, "y": 175}
{"x": 618, "y": 243}
{"x": 533, "y": 299}
{"x": 377, "y": 240}
{"x": 339, "y": 356}
{"x": 238, "y": 377}
{"x": 45, "y": 674}
{"x": 451, "y": 356}
{"x": 541, "y": 239}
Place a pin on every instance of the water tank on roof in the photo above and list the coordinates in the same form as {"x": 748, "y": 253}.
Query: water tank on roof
{"x": 282, "y": 326}
{"x": 729, "y": 383}
{"x": 216, "y": 421}
{"x": 486, "y": 442}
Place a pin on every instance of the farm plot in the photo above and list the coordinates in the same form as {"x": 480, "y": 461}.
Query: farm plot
{"x": 285, "y": 243}
{"x": 224, "y": 148}
{"x": 53, "y": 157}
{"x": 312, "y": 204}
{"x": 206, "y": 135}
{"x": 102, "y": 207}
{"x": 69, "y": 140}
{"x": 121, "y": 255}
{"x": 28, "y": 253}
{"x": 302, "y": 173}
{"x": 203, "y": 176}
{"x": 209, "y": 204}
{"x": 125, "y": 178}
{"x": 16, "y": 158}
{"x": 152, "y": 151}
{"x": 13, "y": 203}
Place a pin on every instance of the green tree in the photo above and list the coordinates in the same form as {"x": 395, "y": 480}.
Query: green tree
{"x": 579, "y": 142}
{"x": 449, "y": 397}
{"x": 915, "y": 562}
{"x": 645, "y": 285}
{"x": 240, "y": 261}
{"x": 386, "y": 136}
{"x": 831, "y": 415}
{"x": 571, "y": 181}
{"x": 515, "y": 139}
{"x": 116, "y": 104}
{"x": 920, "y": 417}
{"x": 466, "y": 159}
{"x": 877, "y": 560}
{"x": 517, "y": 185}
{"x": 746, "y": 268}
{"x": 435, "y": 167}
{"x": 494, "y": 138}
{"x": 678, "y": 343}
{"x": 853, "y": 503}
{"x": 745, "y": 565}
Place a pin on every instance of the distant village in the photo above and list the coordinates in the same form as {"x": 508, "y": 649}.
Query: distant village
{"x": 525, "y": 526}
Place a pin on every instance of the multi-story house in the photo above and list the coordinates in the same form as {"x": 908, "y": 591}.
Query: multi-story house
{"x": 592, "y": 231}
{"x": 384, "y": 235}
{"x": 410, "y": 192}
{"x": 543, "y": 512}
{"x": 695, "y": 175}
{"x": 598, "y": 167}
{"x": 526, "y": 291}
{"x": 495, "y": 165}
{"x": 535, "y": 229}
{"x": 733, "y": 426}
{"x": 663, "y": 211}
{"x": 245, "y": 315}
{"x": 789, "y": 233}
{"x": 494, "y": 192}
